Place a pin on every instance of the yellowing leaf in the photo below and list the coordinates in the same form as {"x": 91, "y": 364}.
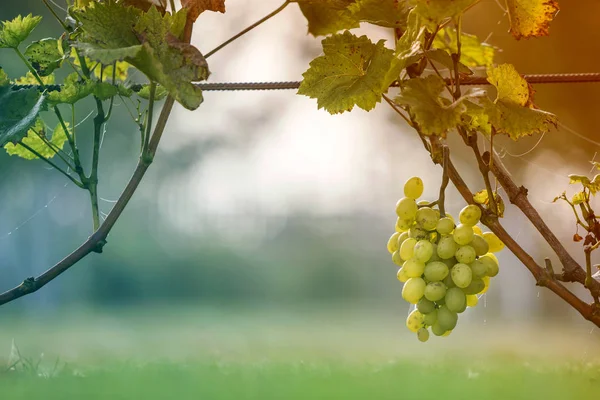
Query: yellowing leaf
{"x": 476, "y": 118}
{"x": 596, "y": 164}
{"x": 34, "y": 141}
{"x": 17, "y": 30}
{"x": 410, "y": 47}
{"x": 45, "y": 55}
{"x": 3, "y": 78}
{"x": 578, "y": 198}
{"x": 29, "y": 79}
{"x": 435, "y": 11}
{"x": 482, "y": 197}
{"x": 435, "y": 115}
{"x": 530, "y": 18}
{"x": 513, "y": 112}
{"x": 197, "y": 7}
{"x": 473, "y": 53}
{"x": 387, "y": 13}
{"x": 352, "y": 71}
{"x": 327, "y": 16}
{"x": 592, "y": 185}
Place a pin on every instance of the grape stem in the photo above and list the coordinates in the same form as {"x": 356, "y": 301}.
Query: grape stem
{"x": 445, "y": 180}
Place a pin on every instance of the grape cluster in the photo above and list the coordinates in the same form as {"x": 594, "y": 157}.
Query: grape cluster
{"x": 444, "y": 266}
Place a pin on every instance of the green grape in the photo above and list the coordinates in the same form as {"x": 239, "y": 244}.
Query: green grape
{"x": 406, "y": 208}
{"x": 463, "y": 234}
{"x": 437, "y": 329}
{"x": 417, "y": 232}
{"x": 479, "y": 268}
{"x": 423, "y": 250}
{"x": 455, "y": 300}
{"x": 403, "y": 225}
{"x": 397, "y": 259}
{"x": 436, "y": 271}
{"x": 427, "y": 218}
{"x": 463, "y": 308}
{"x": 435, "y": 291}
{"x": 493, "y": 241}
{"x": 392, "y": 244}
{"x": 413, "y": 290}
{"x": 479, "y": 244}
{"x": 407, "y": 248}
{"x": 413, "y": 188}
{"x": 430, "y": 318}
{"x": 414, "y": 322}
{"x": 413, "y": 268}
{"x": 476, "y": 286}
{"x": 446, "y": 318}
{"x": 477, "y": 230}
{"x": 425, "y": 306}
{"x": 403, "y": 236}
{"x": 472, "y": 300}
{"x": 447, "y": 333}
{"x": 491, "y": 265}
{"x": 450, "y": 262}
{"x": 434, "y": 255}
{"x": 446, "y": 247}
{"x": 465, "y": 254}
{"x": 461, "y": 275}
{"x": 401, "y": 275}
{"x": 445, "y": 226}
{"x": 470, "y": 215}
{"x": 423, "y": 334}
{"x": 448, "y": 281}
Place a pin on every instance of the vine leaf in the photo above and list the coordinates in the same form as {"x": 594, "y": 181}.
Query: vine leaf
{"x": 3, "y": 78}
{"x": 45, "y": 55}
{"x": 578, "y": 198}
{"x": 435, "y": 11}
{"x": 444, "y": 58}
{"x": 513, "y": 112}
{"x": 148, "y": 41}
{"x": 159, "y": 94}
{"x": 593, "y": 185}
{"x": 530, "y": 18}
{"x": 435, "y": 115}
{"x": 352, "y": 71}
{"x": 483, "y": 198}
{"x": 29, "y": 79}
{"x": 19, "y": 110}
{"x": 327, "y": 16}
{"x": 34, "y": 141}
{"x": 596, "y": 164}
{"x": 145, "y": 5}
{"x": 475, "y": 118}
{"x": 473, "y": 53}
{"x": 386, "y": 13}
{"x": 17, "y": 30}
{"x": 409, "y": 49}
{"x": 74, "y": 89}
{"x": 197, "y": 7}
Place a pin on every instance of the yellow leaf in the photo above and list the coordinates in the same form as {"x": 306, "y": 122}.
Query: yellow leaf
{"x": 530, "y": 18}
{"x": 482, "y": 197}
{"x": 578, "y": 198}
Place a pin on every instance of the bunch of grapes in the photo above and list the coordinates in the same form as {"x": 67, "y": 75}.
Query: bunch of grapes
{"x": 444, "y": 266}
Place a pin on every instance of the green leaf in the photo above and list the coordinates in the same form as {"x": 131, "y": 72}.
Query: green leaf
{"x": 513, "y": 112}
{"x": 435, "y": 115}
{"x": 18, "y": 111}
{"x": 475, "y": 118}
{"x": 3, "y": 78}
{"x": 578, "y": 198}
{"x": 442, "y": 57}
{"x": 352, "y": 71}
{"x": 530, "y": 18}
{"x": 154, "y": 48}
{"x": 592, "y": 185}
{"x": 45, "y": 55}
{"x": 473, "y": 53}
{"x": 34, "y": 141}
{"x": 17, "y": 30}
{"x": 483, "y": 198}
{"x": 30, "y": 79}
{"x": 410, "y": 47}
{"x": 436, "y": 11}
{"x": 72, "y": 90}
{"x": 159, "y": 94}
{"x": 327, "y": 16}
{"x": 386, "y": 13}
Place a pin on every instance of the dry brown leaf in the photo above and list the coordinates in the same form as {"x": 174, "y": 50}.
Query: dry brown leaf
{"x": 197, "y": 7}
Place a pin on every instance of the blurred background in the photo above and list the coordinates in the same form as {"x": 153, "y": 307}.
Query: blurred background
{"x": 264, "y": 220}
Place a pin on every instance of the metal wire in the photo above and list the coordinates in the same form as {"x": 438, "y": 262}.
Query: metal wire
{"x": 476, "y": 80}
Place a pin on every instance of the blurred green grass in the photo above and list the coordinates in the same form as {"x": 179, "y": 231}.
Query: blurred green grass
{"x": 344, "y": 351}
